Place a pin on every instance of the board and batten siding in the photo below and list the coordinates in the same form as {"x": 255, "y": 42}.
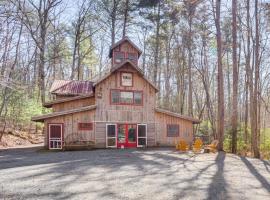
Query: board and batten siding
{"x": 69, "y": 105}
{"x": 70, "y": 126}
{"x": 185, "y": 129}
{"x": 125, "y": 113}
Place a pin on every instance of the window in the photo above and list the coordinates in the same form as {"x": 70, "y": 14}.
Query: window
{"x": 142, "y": 135}
{"x": 132, "y": 57}
{"x": 172, "y": 130}
{"x": 85, "y": 126}
{"x": 111, "y": 135}
{"x": 119, "y": 57}
{"x": 115, "y": 96}
{"x": 138, "y": 98}
{"x": 126, "y": 97}
{"x": 126, "y": 79}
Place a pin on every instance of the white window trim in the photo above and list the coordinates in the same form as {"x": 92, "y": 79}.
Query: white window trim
{"x": 111, "y": 137}
{"x": 141, "y": 137}
{"x": 56, "y": 139}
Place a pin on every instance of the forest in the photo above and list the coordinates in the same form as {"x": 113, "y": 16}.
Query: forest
{"x": 209, "y": 58}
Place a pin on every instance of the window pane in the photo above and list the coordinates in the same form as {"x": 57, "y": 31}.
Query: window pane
{"x": 172, "y": 130}
{"x": 126, "y": 97}
{"x": 141, "y": 141}
{"x": 111, "y": 141}
{"x": 121, "y": 133}
{"x": 119, "y": 57}
{"x": 132, "y": 56}
{"x": 111, "y": 131}
{"x": 115, "y": 96}
{"x": 141, "y": 131}
{"x": 131, "y": 133}
{"x": 138, "y": 98}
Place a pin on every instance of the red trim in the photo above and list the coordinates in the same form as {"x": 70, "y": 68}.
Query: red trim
{"x": 132, "y": 74}
{"x": 126, "y": 144}
{"x": 177, "y": 128}
{"x": 85, "y": 128}
{"x": 125, "y": 57}
{"x": 48, "y": 133}
{"x": 131, "y": 104}
{"x": 134, "y": 61}
{"x": 114, "y": 56}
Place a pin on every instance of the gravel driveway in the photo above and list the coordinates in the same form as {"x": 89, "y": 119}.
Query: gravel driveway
{"x": 131, "y": 174}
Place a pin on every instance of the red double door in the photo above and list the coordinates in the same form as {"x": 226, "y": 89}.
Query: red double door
{"x": 126, "y": 135}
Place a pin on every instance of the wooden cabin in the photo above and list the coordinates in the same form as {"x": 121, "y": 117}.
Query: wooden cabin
{"x": 116, "y": 110}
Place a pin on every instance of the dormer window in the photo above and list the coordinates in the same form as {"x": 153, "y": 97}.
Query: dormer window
{"x": 119, "y": 57}
{"x": 132, "y": 57}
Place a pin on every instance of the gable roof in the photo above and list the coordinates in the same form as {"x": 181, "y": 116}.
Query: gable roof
{"x": 113, "y": 69}
{"x": 41, "y": 118}
{"x": 72, "y": 87}
{"x": 125, "y": 39}
{"x": 174, "y": 114}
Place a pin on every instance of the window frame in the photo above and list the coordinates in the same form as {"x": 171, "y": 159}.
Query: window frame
{"x": 132, "y": 76}
{"x": 115, "y": 137}
{"x": 178, "y": 127}
{"x": 118, "y": 52}
{"x": 135, "y": 55}
{"x": 145, "y": 137}
{"x": 120, "y": 103}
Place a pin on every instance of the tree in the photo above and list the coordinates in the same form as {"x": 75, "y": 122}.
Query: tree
{"x": 254, "y": 125}
{"x": 235, "y": 78}
{"x": 38, "y": 30}
{"x": 220, "y": 79}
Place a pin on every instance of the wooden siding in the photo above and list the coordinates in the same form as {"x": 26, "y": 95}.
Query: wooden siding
{"x": 70, "y": 126}
{"x": 126, "y": 47}
{"x": 185, "y": 129}
{"x": 73, "y": 104}
{"x": 125, "y": 113}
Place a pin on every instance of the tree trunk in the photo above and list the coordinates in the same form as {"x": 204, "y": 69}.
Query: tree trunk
{"x": 156, "y": 56}
{"x": 255, "y": 145}
{"x": 220, "y": 80}
{"x": 235, "y": 78}
{"x": 125, "y": 17}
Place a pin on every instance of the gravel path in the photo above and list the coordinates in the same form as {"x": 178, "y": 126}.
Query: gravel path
{"x": 131, "y": 174}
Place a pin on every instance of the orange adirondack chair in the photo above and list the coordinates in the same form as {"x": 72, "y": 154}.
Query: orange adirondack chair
{"x": 213, "y": 146}
{"x": 182, "y": 145}
{"x": 197, "y": 146}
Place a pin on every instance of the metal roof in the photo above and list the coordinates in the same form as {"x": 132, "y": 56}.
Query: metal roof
{"x": 64, "y": 87}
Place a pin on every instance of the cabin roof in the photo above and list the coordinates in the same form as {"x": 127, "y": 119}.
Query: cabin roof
{"x": 174, "y": 114}
{"x": 113, "y": 69}
{"x": 57, "y": 101}
{"x": 71, "y": 87}
{"x": 124, "y": 40}
{"x": 41, "y": 118}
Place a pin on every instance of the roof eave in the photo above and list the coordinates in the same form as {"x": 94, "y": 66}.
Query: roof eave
{"x": 50, "y": 103}
{"x": 41, "y": 118}
{"x": 193, "y": 120}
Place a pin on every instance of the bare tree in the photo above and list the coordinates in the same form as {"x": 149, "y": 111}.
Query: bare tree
{"x": 220, "y": 79}
{"x": 235, "y": 78}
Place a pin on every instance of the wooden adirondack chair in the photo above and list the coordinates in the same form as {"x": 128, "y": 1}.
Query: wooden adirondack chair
{"x": 197, "y": 146}
{"x": 212, "y": 147}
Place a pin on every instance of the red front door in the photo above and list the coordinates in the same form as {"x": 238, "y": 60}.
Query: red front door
{"x": 126, "y": 135}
